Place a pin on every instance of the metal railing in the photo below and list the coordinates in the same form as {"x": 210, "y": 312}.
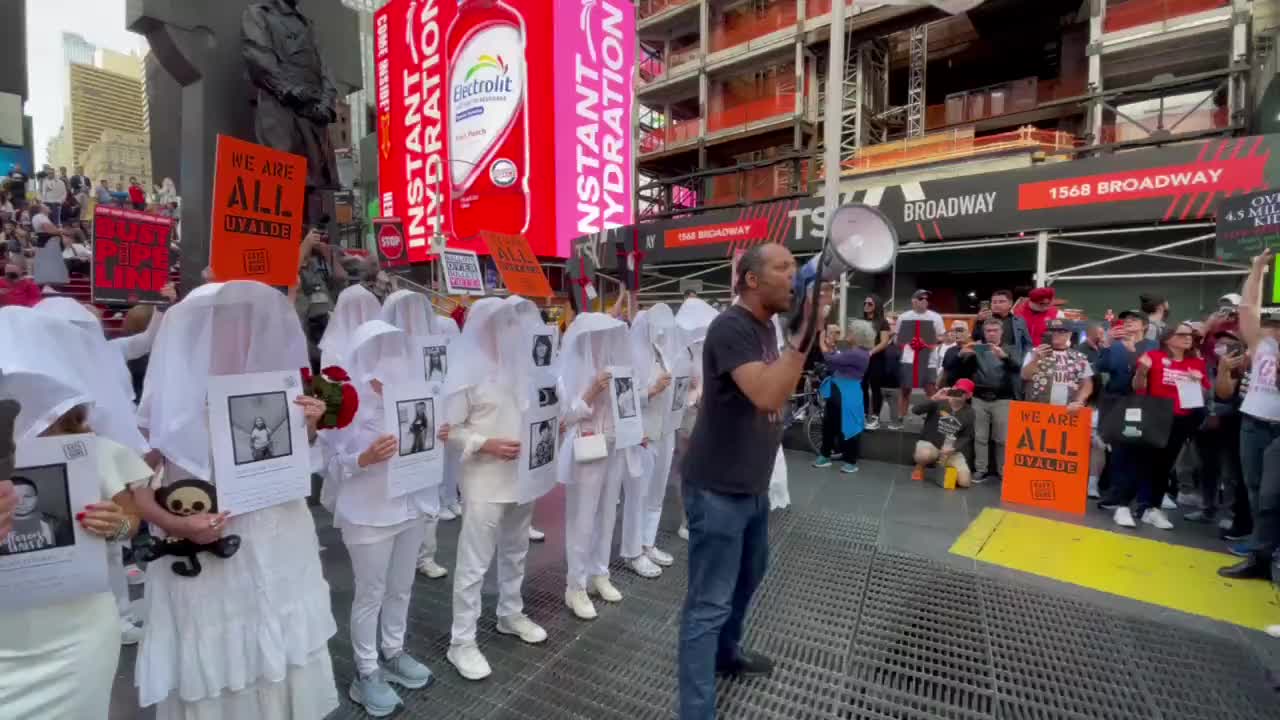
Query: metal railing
{"x": 954, "y": 145}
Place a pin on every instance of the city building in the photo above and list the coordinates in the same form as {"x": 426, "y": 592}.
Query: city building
{"x": 117, "y": 156}
{"x": 937, "y": 111}
{"x": 101, "y": 99}
{"x": 15, "y": 125}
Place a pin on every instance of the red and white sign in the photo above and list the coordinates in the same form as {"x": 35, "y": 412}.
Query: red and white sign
{"x": 744, "y": 230}
{"x": 389, "y": 232}
{"x": 1238, "y": 175}
{"x": 507, "y": 116}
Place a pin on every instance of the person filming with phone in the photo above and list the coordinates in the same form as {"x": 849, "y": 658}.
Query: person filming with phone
{"x": 747, "y": 383}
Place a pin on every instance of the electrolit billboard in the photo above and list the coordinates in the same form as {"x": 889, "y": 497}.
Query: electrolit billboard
{"x": 511, "y": 116}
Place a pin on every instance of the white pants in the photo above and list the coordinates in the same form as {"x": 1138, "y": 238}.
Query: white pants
{"x": 643, "y": 508}
{"x": 591, "y": 510}
{"x": 449, "y": 485}
{"x": 486, "y": 528}
{"x": 383, "y": 580}
{"x": 428, "y": 549}
{"x": 119, "y": 581}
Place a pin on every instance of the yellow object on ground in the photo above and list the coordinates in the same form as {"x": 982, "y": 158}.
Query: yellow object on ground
{"x": 1160, "y": 573}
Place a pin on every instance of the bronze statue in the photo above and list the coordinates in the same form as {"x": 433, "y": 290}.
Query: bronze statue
{"x": 295, "y": 98}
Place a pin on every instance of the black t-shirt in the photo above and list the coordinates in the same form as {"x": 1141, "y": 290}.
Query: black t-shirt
{"x": 733, "y": 446}
{"x": 18, "y": 184}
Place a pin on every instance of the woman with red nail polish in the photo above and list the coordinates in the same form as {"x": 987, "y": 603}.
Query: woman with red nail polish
{"x": 50, "y": 374}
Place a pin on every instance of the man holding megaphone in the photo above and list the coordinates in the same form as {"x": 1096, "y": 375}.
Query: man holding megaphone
{"x": 747, "y": 383}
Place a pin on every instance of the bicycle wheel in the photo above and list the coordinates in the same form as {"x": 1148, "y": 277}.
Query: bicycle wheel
{"x": 813, "y": 429}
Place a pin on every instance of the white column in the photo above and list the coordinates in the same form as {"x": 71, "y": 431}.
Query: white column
{"x": 831, "y": 131}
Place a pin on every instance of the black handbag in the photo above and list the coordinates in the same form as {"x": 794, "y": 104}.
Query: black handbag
{"x": 1139, "y": 421}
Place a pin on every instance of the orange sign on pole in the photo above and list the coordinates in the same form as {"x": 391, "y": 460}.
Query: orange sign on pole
{"x": 1046, "y": 457}
{"x": 520, "y": 269}
{"x": 258, "y": 195}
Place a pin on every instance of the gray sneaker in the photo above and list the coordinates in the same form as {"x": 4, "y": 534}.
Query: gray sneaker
{"x": 406, "y": 672}
{"x": 374, "y": 694}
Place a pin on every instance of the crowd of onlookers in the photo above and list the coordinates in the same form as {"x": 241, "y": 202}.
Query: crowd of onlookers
{"x": 1186, "y": 414}
{"x": 55, "y": 206}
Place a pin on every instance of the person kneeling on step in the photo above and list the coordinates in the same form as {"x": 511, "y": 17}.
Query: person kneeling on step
{"x": 382, "y": 533}
{"x": 948, "y": 432}
{"x": 485, "y": 422}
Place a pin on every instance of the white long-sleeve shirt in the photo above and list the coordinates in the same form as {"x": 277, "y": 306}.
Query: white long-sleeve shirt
{"x": 489, "y": 411}
{"x": 53, "y": 191}
{"x": 361, "y": 506}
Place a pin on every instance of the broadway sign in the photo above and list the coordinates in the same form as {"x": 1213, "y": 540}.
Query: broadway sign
{"x": 1156, "y": 185}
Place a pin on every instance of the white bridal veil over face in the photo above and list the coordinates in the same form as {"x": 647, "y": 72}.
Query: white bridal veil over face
{"x": 379, "y": 351}
{"x": 355, "y": 306}
{"x": 653, "y": 327}
{"x": 412, "y": 312}
{"x": 496, "y": 346}
{"x": 593, "y": 342}
{"x": 50, "y": 366}
{"x": 218, "y": 329}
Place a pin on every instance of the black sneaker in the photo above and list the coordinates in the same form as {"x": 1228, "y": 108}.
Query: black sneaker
{"x": 1234, "y": 535}
{"x": 1108, "y": 503}
{"x": 747, "y": 664}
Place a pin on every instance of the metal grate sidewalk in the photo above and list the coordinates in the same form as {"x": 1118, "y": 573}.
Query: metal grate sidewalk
{"x": 856, "y": 632}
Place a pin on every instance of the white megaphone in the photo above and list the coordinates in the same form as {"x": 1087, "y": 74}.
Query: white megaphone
{"x": 859, "y": 237}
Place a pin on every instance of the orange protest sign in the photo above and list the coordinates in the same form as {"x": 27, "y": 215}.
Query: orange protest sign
{"x": 1046, "y": 458}
{"x": 520, "y": 269}
{"x": 258, "y": 195}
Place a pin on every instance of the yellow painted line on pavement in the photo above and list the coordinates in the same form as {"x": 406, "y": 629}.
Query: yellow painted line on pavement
{"x": 1160, "y": 573}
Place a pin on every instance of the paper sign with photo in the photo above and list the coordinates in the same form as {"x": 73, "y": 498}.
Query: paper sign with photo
{"x": 48, "y": 558}
{"x": 411, "y": 411}
{"x": 260, "y": 450}
{"x": 679, "y": 400}
{"x": 628, "y": 426}
{"x": 434, "y": 351}
{"x": 536, "y": 469}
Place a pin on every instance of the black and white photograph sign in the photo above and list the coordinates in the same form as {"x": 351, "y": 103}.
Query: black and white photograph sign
{"x": 628, "y": 427}
{"x": 411, "y": 416}
{"x": 542, "y": 440}
{"x": 542, "y": 351}
{"x": 260, "y": 452}
{"x": 536, "y": 471}
{"x": 49, "y": 558}
{"x": 435, "y": 362}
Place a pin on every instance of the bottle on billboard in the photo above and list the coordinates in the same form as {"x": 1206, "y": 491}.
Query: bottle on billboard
{"x": 488, "y": 119}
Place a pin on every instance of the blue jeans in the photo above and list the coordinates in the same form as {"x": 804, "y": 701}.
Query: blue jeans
{"x": 1255, "y": 436}
{"x": 728, "y": 555}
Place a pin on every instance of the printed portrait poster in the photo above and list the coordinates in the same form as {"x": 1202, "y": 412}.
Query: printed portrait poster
{"x": 130, "y": 256}
{"x": 1046, "y": 459}
{"x": 628, "y": 426}
{"x": 411, "y": 410}
{"x": 536, "y": 472}
{"x": 257, "y": 228}
{"x": 48, "y": 558}
{"x": 434, "y": 351}
{"x": 261, "y": 456}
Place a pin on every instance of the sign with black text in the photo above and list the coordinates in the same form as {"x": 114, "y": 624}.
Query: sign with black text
{"x": 258, "y": 197}
{"x": 462, "y": 274}
{"x": 130, "y": 256}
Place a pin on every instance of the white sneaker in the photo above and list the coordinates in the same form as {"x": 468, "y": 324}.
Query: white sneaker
{"x": 873, "y": 423}
{"x": 455, "y": 508}
{"x": 580, "y": 604}
{"x": 431, "y": 569}
{"x": 469, "y": 662}
{"x": 644, "y": 567}
{"x": 1124, "y": 517}
{"x": 683, "y": 532}
{"x": 660, "y": 558}
{"x": 536, "y": 535}
{"x": 1167, "y": 503}
{"x": 523, "y": 628}
{"x": 1156, "y": 518}
{"x": 601, "y": 586}
{"x": 446, "y": 515}
{"x": 130, "y": 634}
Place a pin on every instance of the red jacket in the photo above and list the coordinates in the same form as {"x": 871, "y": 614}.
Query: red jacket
{"x": 136, "y": 195}
{"x": 24, "y": 292}
{"x": 1037, "y": 323}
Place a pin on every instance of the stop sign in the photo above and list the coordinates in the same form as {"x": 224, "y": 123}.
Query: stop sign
{"x": 390, "y": 241}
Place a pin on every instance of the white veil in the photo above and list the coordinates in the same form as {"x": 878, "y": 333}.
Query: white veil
{"x": 593, "y": 342}
{"x": 49, "y": 367}
{"x": 693, "y": 318}
{"x": 355, "y": 306}
{"x": 494, "y": 347}
{"x": 412, "y": 312}
{"x": 107, "y": 358}
{"x": 380, "y": 351}
{"x": 218, "y": 329}
{"x": 655, "y": 326}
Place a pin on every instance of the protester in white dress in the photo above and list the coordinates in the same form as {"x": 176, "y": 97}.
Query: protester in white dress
{"x": 248, "y": 636}
{"x": 382, "y": 534}
{"x": 113, "y": 407}
{"x": 59, "y": 661}
{"x": 484, "y": 398}
{"x": 355, "y": 307}
{"x": 592, "y": 344}
{"x": 659, "y": 355}
{"x": 779, "y": 491}
{"x": 412, "y": 313}
{"x": 693, "y": 318}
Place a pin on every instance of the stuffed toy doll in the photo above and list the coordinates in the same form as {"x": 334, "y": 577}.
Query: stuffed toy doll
{"x": 185, "y": 498}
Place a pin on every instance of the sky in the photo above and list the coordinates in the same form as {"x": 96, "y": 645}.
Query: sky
{"x": 101, "y": 22}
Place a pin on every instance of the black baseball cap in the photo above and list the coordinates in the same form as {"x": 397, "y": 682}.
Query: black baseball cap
{"x": 1126, "y": 314}
{"x": 921, "y": 294}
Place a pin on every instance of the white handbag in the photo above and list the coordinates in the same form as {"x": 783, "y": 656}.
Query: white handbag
{"x": 590, "y": 448}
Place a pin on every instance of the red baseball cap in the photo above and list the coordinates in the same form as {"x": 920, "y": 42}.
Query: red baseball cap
{"x": 1041, "y": 295}
{"x": 964, "y": 384}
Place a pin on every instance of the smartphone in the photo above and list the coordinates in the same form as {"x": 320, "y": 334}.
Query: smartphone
{"x": 8, "y": 414}
{"x": 984, "y": 305}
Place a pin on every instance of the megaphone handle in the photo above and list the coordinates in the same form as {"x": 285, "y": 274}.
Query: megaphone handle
{"x": 811, "y": 309}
